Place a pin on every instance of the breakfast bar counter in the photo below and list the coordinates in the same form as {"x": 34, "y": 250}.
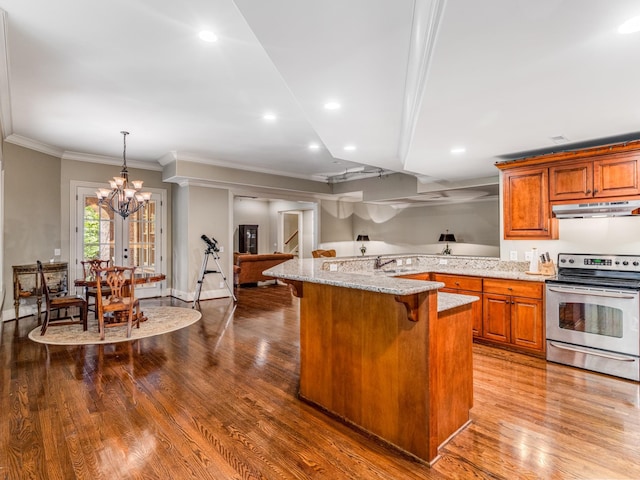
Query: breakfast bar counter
{"x": 389, "y": 356}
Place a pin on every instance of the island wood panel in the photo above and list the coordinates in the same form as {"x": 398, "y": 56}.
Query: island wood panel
{"x": 364, "y": 361}
{"x": 454, "y": 377}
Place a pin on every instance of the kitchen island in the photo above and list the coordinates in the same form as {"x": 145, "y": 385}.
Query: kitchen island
{"x": 389, "y": 356}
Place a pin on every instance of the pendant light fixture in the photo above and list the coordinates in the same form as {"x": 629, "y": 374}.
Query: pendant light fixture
{"x": 124, "y": 199}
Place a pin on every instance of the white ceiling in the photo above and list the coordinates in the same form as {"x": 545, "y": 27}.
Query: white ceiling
{"x": 415, "y": 78}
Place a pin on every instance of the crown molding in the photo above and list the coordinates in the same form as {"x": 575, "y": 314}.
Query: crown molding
{"x": 77, "y": 156}
{"x": 185, "y": 157}
{"x": 34, "y": 145}
{"x": 427, "y": 16}
{"x": 104, "y": 160}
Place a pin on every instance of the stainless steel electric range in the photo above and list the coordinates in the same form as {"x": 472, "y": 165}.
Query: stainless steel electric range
{"x": 592, "y": 313}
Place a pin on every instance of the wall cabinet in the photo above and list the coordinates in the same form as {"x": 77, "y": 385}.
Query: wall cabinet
{"x": 465, "y": 286}
{"x": 527, "y": 211}
{"x": 513, "y": 313}
{"x": 611, "y": 176}
{"x": 248, "y": 239}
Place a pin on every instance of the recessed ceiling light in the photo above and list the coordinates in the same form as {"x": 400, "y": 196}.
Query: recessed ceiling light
{"x": 314, "y": 146}
{"x": 350, "y": 148}
{"x": 630, "y": 26}
{"x": 208, "y": 36}
{"x": 458, "y": 150}
{"x": 332, "y": 106}
{"x": 269, "y": 117}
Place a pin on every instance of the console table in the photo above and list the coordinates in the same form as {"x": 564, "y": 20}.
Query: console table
{"x": 26, "y": 282}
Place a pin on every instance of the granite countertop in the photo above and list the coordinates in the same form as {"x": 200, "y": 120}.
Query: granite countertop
{"x": 359, "y": 273}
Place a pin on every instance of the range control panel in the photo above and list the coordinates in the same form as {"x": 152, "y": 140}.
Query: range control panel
{"x": 629, "y": 263}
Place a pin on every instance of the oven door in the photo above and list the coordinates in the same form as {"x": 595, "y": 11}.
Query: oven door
{"x": 601, "y": 318}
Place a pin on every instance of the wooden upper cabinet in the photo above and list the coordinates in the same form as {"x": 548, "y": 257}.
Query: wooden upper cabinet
{"x": 609, "y": 176}
{"x": 527, "y": 211}
{"x": 616, "y": 176}
{"x": 572, "y": 181}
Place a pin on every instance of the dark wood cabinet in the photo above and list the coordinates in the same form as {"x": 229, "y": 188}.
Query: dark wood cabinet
{"x": 248, "y": 239}
{"x": 527, "y": 211}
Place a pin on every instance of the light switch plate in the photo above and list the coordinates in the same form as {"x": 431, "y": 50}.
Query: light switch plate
{"x": 443, "y": 261}
{"x": 56, "y": 252}
{"x": 399, "y": 262}
{"x": 408, "y": 262}
{"x": 527, "y": 256}
{"x": 513, "y": 255}
{"x": 333, "y": 267}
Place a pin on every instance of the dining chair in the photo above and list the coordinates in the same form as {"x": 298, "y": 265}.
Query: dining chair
{"x": 88, "y": 271}
{"x": 119, "y": 306}
{"x": 59, "y": 303}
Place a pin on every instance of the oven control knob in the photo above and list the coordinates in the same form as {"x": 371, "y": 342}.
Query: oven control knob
{"x": 571, "y": 260}
{"x": 625, "y": 263}
{"x": 563, "y": 260}
{"x": 617, "y": 262}
{"x": 636, "y": 263}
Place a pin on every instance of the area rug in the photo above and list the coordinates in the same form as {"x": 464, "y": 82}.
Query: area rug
{"x": 159, "y": 320}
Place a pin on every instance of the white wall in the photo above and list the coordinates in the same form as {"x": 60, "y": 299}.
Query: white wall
{"x": 583, "y": 235}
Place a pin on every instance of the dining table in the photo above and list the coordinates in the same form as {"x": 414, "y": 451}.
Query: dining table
{"x": 138, "y": 279}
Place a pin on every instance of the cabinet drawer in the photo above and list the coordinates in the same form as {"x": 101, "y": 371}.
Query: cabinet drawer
{"x": 473, "y": 284}
{"x": 516, "y": 288}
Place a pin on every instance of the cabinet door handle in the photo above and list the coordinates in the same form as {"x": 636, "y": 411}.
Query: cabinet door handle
{"x": 588, "y": 192}
{"x": 595, "y": 191}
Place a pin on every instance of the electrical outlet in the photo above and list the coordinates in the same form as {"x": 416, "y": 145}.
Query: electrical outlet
{"x": 443, "y": 261}
{"x": 221, "y": 248}
{"x": 513, "y": 255}
{"x": 399, "y": 262}
{"x": 333, "y": 267}
{"x": 408, "y": 262}
{"x": 221, "y": 285}
{"x": 56, "y": 252}
{"x": 527, "y": 256}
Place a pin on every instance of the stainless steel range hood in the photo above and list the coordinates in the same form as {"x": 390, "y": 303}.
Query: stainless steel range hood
{"x": 590, "y": 210}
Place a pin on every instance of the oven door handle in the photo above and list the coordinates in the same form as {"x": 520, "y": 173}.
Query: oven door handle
{"x": 591, "y": 292}
{"x": 610, "y": 356}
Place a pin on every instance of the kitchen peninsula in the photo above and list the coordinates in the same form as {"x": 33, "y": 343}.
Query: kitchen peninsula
{"x": 389, "y": 356}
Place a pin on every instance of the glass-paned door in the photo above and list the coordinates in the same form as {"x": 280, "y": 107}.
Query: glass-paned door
{"x": 134, "y": 241}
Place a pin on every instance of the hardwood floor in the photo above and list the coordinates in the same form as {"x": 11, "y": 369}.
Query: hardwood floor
{"x": 217, "y": 400}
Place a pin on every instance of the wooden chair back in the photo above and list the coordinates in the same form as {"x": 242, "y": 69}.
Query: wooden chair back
{"x": 89, "y": 267}
{"x": 323, "y": 253}
{"x": 58, "y": 303}
{"x": 116, "y": 297}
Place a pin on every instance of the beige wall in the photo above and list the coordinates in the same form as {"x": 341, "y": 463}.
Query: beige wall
{"x": 202, "y": 211}
{"x": 413, "y": 229}
{"x": 32, "y": 199}
{"x": 37, "y": 199}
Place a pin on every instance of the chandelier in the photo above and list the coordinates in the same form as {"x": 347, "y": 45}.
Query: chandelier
{"x": 123, "y": 199}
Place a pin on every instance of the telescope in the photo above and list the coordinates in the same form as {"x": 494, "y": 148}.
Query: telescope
{"x": 212, "y": 243}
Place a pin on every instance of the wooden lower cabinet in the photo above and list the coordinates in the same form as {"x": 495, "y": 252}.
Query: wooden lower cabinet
{"x": 509, "y": 313}
{"x": 513, "y": 314}
{"x": 464, "y": 285}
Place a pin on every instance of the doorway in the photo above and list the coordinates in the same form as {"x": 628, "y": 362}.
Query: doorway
{"x": 139, "y": 240}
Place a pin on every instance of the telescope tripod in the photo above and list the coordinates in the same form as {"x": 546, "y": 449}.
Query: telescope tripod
{"x": 210, "y": 252}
